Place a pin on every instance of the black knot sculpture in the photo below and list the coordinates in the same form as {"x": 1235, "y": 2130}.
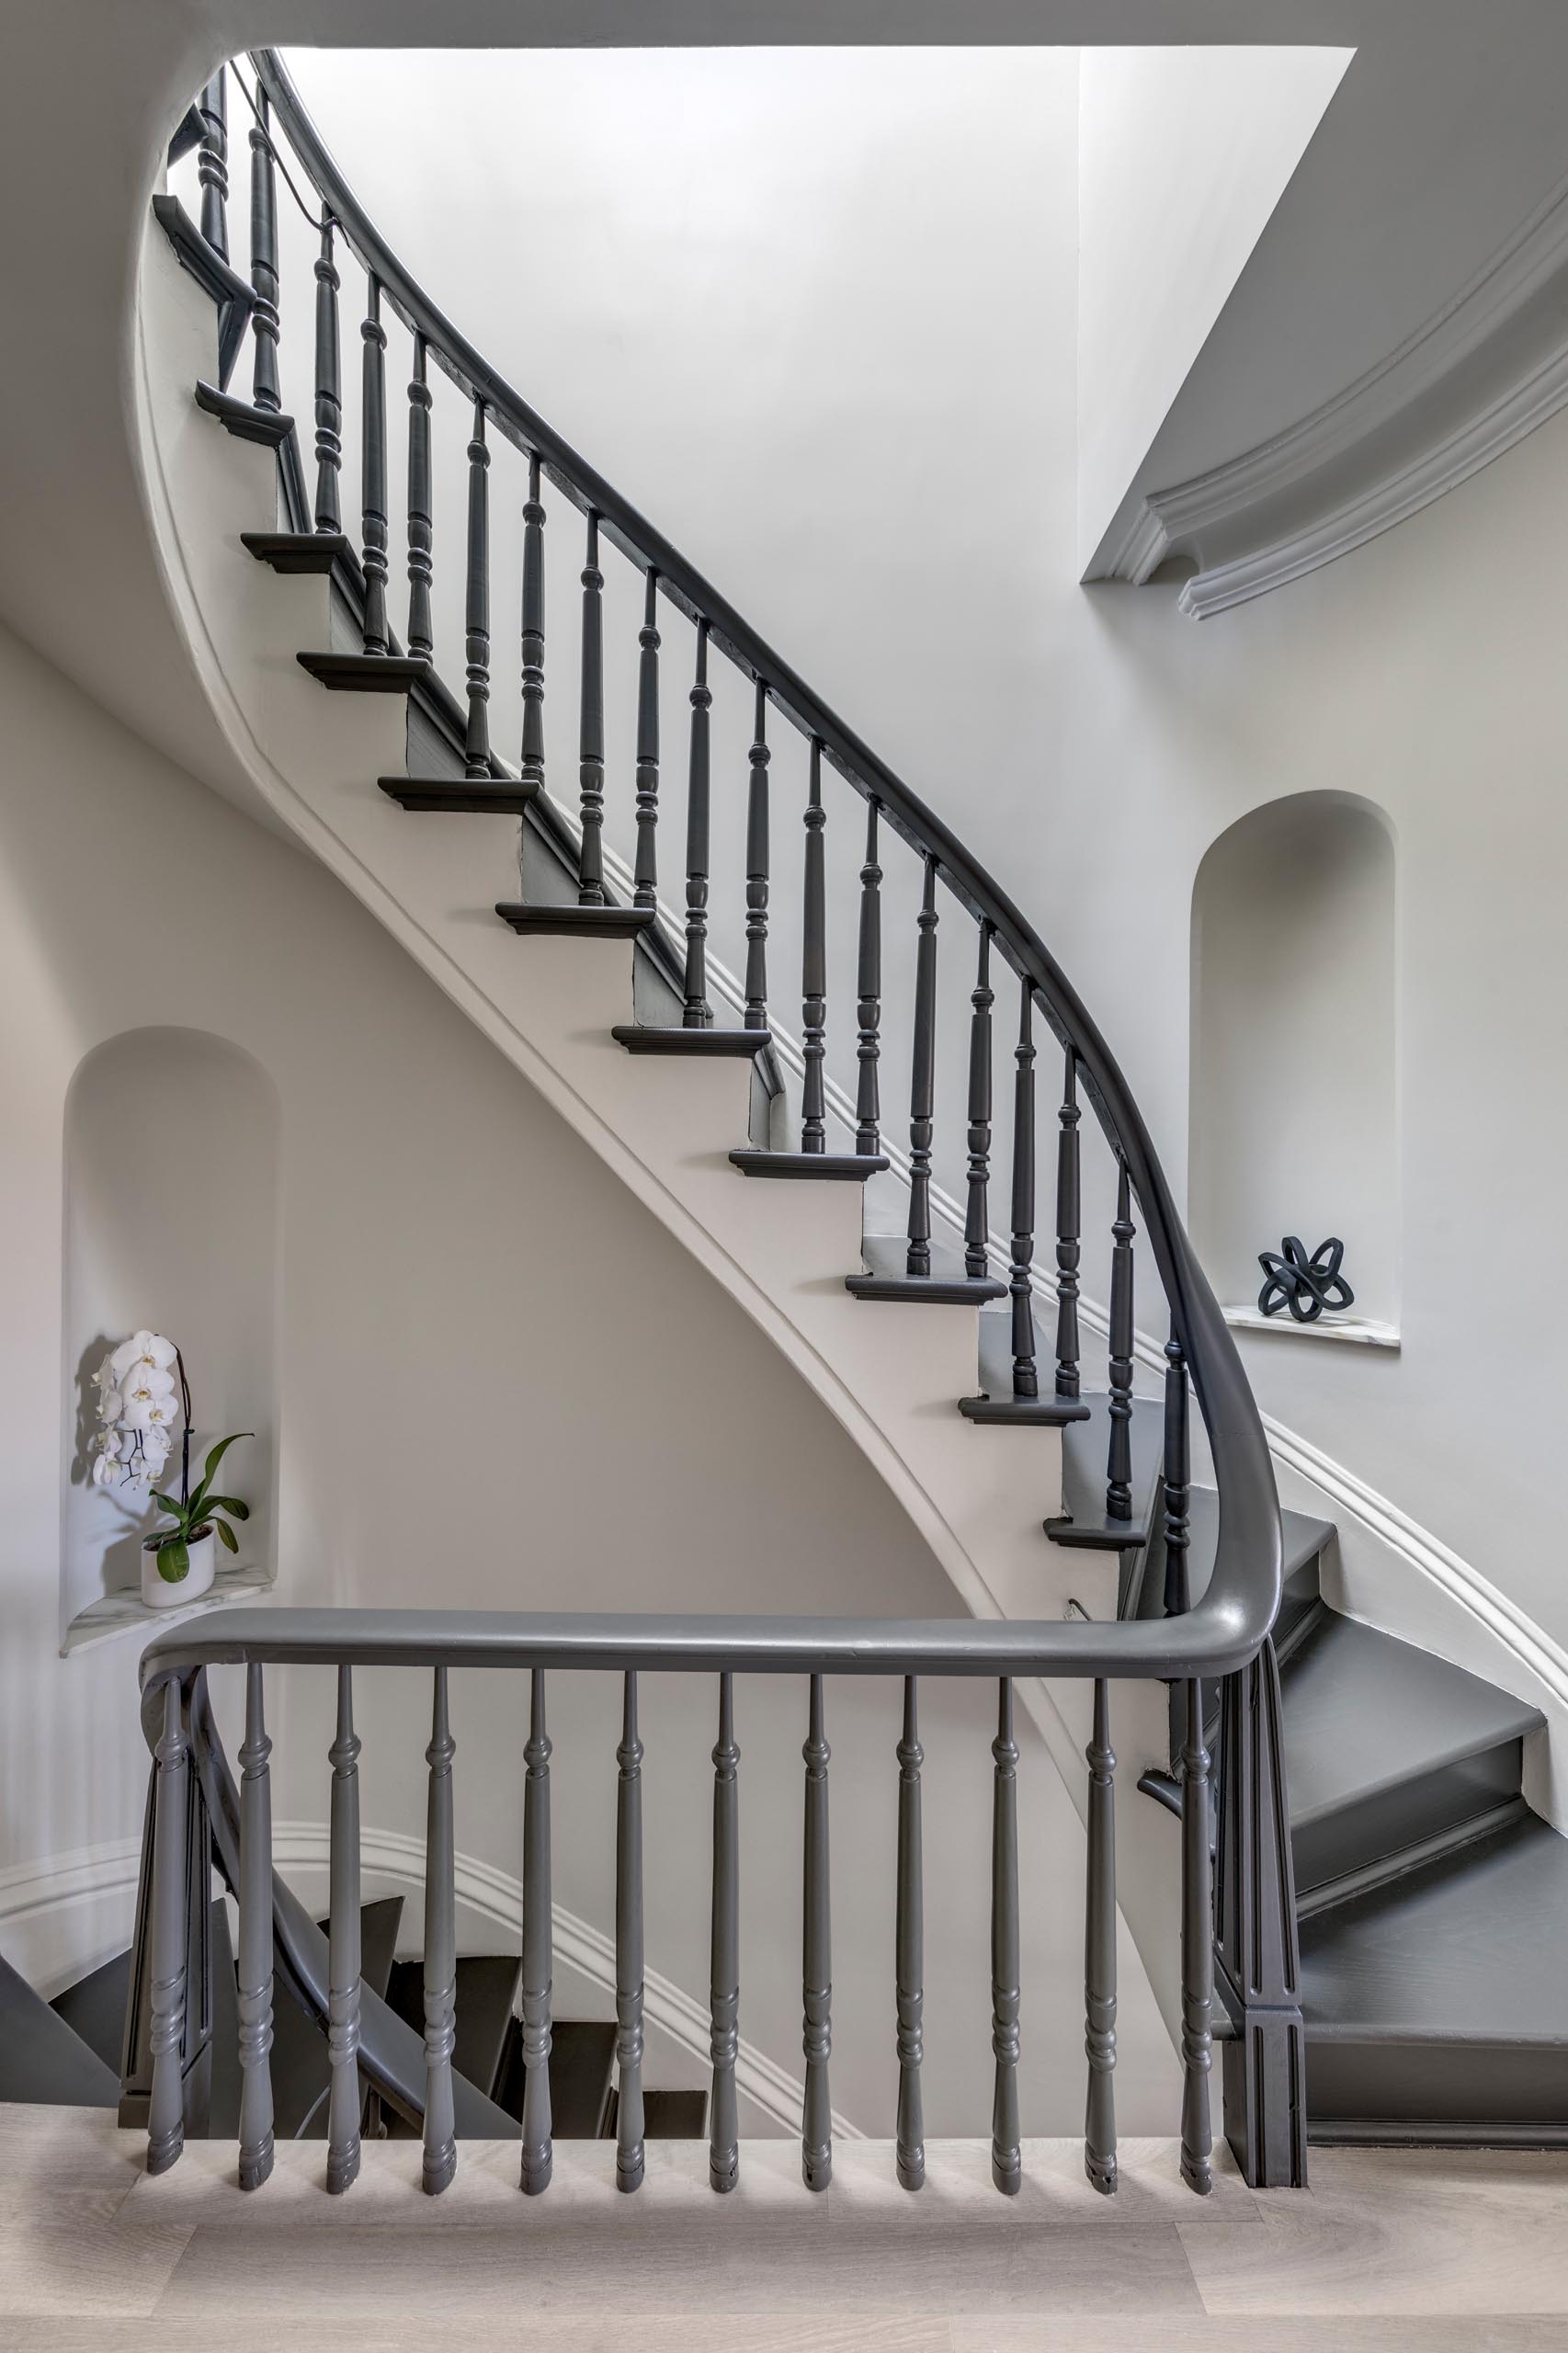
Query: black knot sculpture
{"x": 1306, "y": 1286}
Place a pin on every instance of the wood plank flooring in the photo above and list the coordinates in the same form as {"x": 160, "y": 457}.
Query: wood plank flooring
{"x": 1390, "y": 2251}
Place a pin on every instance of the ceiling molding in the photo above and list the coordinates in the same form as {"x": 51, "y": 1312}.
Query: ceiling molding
{"x": 1476, "y": 379}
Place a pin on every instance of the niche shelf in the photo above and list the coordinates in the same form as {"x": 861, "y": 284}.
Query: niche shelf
{"x": 1358, "y": 1331}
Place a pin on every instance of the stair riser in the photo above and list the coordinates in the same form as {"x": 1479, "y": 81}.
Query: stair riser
{"x": 1388, "y": 2090}
{"x": 1387, "y": 1822}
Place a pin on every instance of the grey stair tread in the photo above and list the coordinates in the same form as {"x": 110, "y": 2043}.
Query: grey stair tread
{"x": 382, "y": 674}
{"x": 674, "y": 1039}
{"x": 268, "y": 427}
{"x": 42, "y": 2061}
{"x": 887, "y": 1277}
{"x": 1365, "y": 1713}
{"x": 457, "y": 796}
{"x": 582, "y": 2061}
{"x": 1303, "y": 1538}
{"x": 485, "y": 1985}
{"x": 300, "y": 2069}
{"x": 568, "y": 922}
{"x": 1468, "y": 1948}
{"x": 94, "y": 2008}
{"x": 818, "y": 1167}
{"x": 1084, "y": 1447}
{"x": 295, "y": 553}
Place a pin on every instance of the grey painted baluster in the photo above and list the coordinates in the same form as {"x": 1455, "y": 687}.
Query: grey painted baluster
{"x": 1100, "y": 1954}
{"x": 1020, "y": 1283}
{"x": 537, "y": 1940}
{"x": 343, "y": 1943}
{"x": 724, "y": 1974}
{"x": 329, "y": 389}
{"x": 628, "y": 1948}
{"x": 476, "y": 616}
{"x": 922, "y": 1081}
{"x": 1176, "y": 1481}
{"x": 869, "y": 994}
{"x": 1068, "y": 1219}
{"x": 1118, "y": 1460}
{"x": 255, "y": 1941}
{"x": 645, "y": 877}
{"x": 373, "y": 470}
{"x": 212, "y": 161}
{"x": 421, "y": 530}
{"x": 977, "y": 1212}
{"x": 591, "y": 739}
{"x": 909, "y": 1940}
{"x": 265, "y": 392}
{"x": 441, "y": 2156}
{"x": 816, "y": 1955}
{"x": 697, "y": 1013}
{"x": 813, "y": 968}
{"x": 1197, "y": 1950}
{"x": 1006, "y": 2159}
{"x": 531, "y": 764}
{"x": 166, "y": 2110}
{"x": 757, "y": 870}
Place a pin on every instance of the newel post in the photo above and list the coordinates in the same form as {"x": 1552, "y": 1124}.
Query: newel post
{"x": 1258, "y": 1959}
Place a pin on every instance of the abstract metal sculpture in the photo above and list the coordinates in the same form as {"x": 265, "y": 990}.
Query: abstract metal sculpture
{"x": 1306, "y": 1286}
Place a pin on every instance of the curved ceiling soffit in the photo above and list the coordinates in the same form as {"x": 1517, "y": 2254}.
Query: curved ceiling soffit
{"x": 1489, "y": 368}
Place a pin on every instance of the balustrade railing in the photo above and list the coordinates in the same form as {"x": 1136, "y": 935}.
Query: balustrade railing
{"x": 1221, "y": 1634}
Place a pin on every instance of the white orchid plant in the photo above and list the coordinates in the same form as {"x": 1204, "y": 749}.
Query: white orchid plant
{"x": 143, "y": 1396}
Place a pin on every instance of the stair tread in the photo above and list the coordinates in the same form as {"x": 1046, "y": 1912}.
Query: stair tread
{"x": 653, "y": 1038}
{"x": 297, "y": 552}
{"x": 387, "y": 674}
{"x": 567, "y": 921}
{"x": 459, "y": 796}
{"x": 94, "y": 2008}
{"x": 1468, "y": 1948}
{"x": 1085, "y": 1444}
{"x": 42, "y": 2060}
{"x": 1304, "y": 1538}
{"x": 886, "y": 1275}
{"x": 1364, "y": 1712}
{"x": 819, "y": 1167}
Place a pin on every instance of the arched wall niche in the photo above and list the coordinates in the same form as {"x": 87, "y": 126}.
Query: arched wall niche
{"x": 1295, "y": 1050}
{"x": 171, "y": 1220}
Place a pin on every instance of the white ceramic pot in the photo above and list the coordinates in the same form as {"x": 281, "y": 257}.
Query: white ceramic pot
{"x": 157, "y": 1590}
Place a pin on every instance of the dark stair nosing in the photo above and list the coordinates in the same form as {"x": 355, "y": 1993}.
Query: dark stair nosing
{"x": 297, "y": 553}
{"x": 372, "y": 673}
{"x": 1025, "y": 1413}
{"x": 819, "y": 1167}
{"x": 43, "y": 2062}
{"x": 270, "y": 427}
{"x": 886, "y": 1277}
{"x": 641, "y": 1037}
{"x": 216, "y": 276}
{"x": 567, "y": 922}
{"x": 1096, "y": 1533}
{"x": 459, "y": 796}
{"x": 1367, "y": 1877}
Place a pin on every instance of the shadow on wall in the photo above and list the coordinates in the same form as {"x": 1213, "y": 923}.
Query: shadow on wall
{"x": 1295, "y": 1052}
{"x": 171, "y": 1221}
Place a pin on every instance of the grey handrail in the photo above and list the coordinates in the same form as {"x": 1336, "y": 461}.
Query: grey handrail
{"x": 1245, "y": 1591}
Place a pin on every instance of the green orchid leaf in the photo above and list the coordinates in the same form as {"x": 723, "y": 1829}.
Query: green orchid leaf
{"x": 167, "y": 1503}
{"x": 231, "y": 1504}
{"x": 227, "y": 1533}
{"x": 210, "y": 1469}
{"x": 174, "y": 1561}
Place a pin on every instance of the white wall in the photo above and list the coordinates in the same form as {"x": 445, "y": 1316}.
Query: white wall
{"x": 1182, "y": 154}
{"x": 830, "y": 342}
{"x": 501, "y": 1384}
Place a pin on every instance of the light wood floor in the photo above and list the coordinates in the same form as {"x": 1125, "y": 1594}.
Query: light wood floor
{"x": 1440, "y": 2251}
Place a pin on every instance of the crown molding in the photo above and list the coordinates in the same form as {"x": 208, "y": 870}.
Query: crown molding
{"x": 1489, "y": 368}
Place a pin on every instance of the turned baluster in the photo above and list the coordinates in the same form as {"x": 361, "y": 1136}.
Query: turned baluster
{"x": 328, "y": 394}
{"x": 645, "y": 877}
{"x": 212, "y": 161}
{"x": 1068, "y": 1217}
{"x": 1099, "y": 1953}
{"x": 476, "y": 745}
{"x": 1177, "y": 1481}
{"x": 1007, "y": 2158}
{"x": 343, "y": 1947}
{"x": 869, "y": 994}
{"x": 1197, "y": 1949}
{"x": 697, "y": 1013}
{"x": 628, "y": 1948}
{"x": 591, "y": 738}
{"x": 725, "y": 1972}
{"x": 373, "y": 471}
{"x": 255, "y": 1942}
{"x": 265, "y": 392}
{"x": 531, "y": 764}
{"x": 756, "y": 871}
{"x": 813, "y": 969}
{"x": 922, "y": 1081}
{"x": 421, "y": 530}
{"x": 977, "y": 1213}
{"x": 909, "y": 1946}
{"x": 1119, "y": 1461}
{"x": 1020, "y": 1286}
{"x": 441, "y": 2153}
{"x": 538, "y": 2154}
{"x": 165, "y": 2111}
{"x": 816, "y": 1972}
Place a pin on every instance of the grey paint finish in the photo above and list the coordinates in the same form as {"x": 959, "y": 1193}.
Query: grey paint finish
{"x": 816, "y": 1955}
{"x": 629, "y": 2159}
{"x": 1099, "y": 1953}
{"x": 254, "y": 1999}
{"x": 725, "y": 1970}
{"x": 165, "y": 2115}
{"x": 440, "y": 2151}
{"x": 44, "y": 2060}
{"x": 538, "y": 2157}
{"x": 1006, "y": 2160}
{"x": 343, "y": 2011}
